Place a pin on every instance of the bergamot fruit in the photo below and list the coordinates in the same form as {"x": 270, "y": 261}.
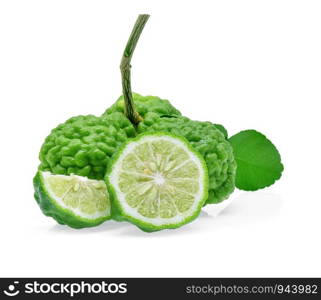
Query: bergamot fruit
{"x": 209, "y": 141}
{"x": 72, "y": 200}
{"x": 83, "y": 145}
{"x": 157, "y": 181}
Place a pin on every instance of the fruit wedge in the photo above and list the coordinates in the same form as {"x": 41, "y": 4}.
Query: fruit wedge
{"x": 157, "y": 181}
{"x": 72, "y": 200}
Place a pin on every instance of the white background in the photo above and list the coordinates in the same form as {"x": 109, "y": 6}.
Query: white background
{"x": 246, "y": 64}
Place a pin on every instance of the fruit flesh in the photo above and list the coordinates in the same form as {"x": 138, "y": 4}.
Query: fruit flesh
{"x": 158, "y": 181}
{"x": 87, "y": 198}
{"x": 209, "y": 142}
{"x": 72, "y": 200}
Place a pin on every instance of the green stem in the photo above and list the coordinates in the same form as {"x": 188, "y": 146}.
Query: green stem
{"x": 125, "y": 66}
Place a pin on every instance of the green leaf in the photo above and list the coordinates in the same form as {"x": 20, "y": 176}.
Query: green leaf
{"x": 258, "y": 161}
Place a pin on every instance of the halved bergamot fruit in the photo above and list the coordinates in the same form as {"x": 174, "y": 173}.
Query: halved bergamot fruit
{"x": 72, "y": 200}
{"x": 157, "y": 181}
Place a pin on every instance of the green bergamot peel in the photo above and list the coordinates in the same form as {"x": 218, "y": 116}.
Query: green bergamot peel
{"x": 157, "y": 181}
{"x": 72, "y": 200}
{"x": 144, "y": 105}
{"x": 83, "y": 145}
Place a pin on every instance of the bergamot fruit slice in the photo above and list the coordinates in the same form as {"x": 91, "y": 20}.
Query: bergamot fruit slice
{"x": 157, "y": 181}
{"x": 72, "y": 200}
{"x": 209, "y": 141}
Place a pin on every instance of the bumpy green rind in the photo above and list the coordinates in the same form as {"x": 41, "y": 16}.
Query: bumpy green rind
{"x": 145, "y": 104}
{"x": 207, "y": 140}
{"x": 118, "y": 212}
{"x": 83, "y": 145}
{"x": 63, "y": 216}
{"x": 222, "y": 129}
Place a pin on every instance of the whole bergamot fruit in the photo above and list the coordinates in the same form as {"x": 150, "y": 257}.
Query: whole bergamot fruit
{"x": 83, "y": 145}
{"x": 209, "y": 141}
{"x": 144, "y": 105}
